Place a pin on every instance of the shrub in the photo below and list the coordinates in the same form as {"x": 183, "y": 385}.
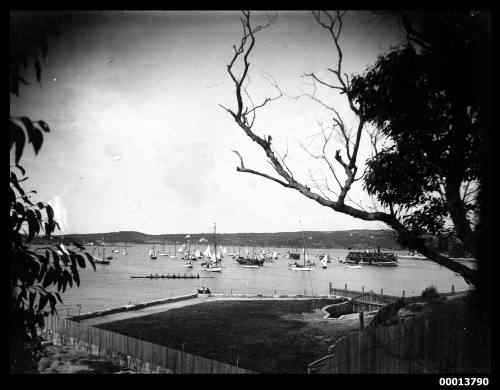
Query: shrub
{"x": 430, "y": 293}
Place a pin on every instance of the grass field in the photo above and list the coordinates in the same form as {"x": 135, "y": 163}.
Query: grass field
{"x": 266, "y": 336}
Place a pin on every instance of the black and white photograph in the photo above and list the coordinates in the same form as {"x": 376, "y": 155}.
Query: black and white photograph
{"x": 250, "y": 192}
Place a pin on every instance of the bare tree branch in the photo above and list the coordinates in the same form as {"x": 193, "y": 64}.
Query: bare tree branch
{"x": 334, "y": 26}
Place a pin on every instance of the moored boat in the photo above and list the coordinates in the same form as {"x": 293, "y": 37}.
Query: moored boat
{"x": 212, "y": 265}
{"x": 371, "y": 258}
{"x": 307, "y": 266}
{"x": 246, "y": 261}
{"x": 413, "y": 256}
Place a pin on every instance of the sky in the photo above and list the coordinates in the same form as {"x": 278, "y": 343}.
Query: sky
{"x": 140, "y": 142}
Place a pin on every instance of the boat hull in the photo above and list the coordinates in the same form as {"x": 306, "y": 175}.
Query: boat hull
{"x": 301, "y": 268}
{"x": 412, "y": 257}
{"x": 214, "y": 269}
{"x": 382, "y": 263}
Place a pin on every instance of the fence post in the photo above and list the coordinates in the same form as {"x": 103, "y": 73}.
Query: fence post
{"x": 345, "y": 289}
{"x": 403, "y": 294}
{"x": 452, "y": 289}
{"x": 363, "y": 289}
{"x": 330, "y": 288}
{"x": 361, "y": 320}
{"x": 304, "y": 292}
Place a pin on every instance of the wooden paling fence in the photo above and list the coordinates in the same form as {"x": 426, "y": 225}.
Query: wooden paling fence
{"x": 411, "y": 346}
{"x": 374, "y": 297}
{"x": 171, "y": 359}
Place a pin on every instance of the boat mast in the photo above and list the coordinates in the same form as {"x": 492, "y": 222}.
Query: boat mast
{"x": 304, "y": 240}
{"x": 215, "y": 246}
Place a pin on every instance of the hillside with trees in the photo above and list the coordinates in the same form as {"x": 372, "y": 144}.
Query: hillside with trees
{"x": 344, "y": 239}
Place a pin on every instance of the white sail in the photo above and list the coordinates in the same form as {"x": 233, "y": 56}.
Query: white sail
{"x": 64, "y": 249}
{"x": 246, "y": 252}
{"x": 224, "y": 250}
{"x": 275, "y": 255}
{"x": 197, "y": 253}
{"x": 181, "y": 249}
{"x": 208, "y": 252}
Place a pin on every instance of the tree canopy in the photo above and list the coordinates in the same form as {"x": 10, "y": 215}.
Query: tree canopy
{"x": 427, "y": 100}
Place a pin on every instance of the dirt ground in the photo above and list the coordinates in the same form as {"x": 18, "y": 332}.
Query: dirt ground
{"x": 65, "y": 359}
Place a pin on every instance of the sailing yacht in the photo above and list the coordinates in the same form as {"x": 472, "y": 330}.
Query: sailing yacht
{"x": 175, "y": 251}
{"x": 104, "y": 259}
{"x": 250, "y": 262}
{"x": 162, "y": 253}
{"x": 152, "y": 254}
{"x": 324, "y": 260}
{"x": 213, "y": 261}
{"x": 307, "y": 265}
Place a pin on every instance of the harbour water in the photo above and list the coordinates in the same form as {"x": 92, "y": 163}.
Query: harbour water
{"x": 111, "y": 286}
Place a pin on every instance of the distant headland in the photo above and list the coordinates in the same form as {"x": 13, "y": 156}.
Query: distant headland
{"x": 343, "y": 239}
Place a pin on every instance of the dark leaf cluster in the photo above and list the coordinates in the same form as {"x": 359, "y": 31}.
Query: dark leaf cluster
{"x": 428, "y": 97}
{"x": 29, "y": 31}
{"x": 38, "y": 275}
